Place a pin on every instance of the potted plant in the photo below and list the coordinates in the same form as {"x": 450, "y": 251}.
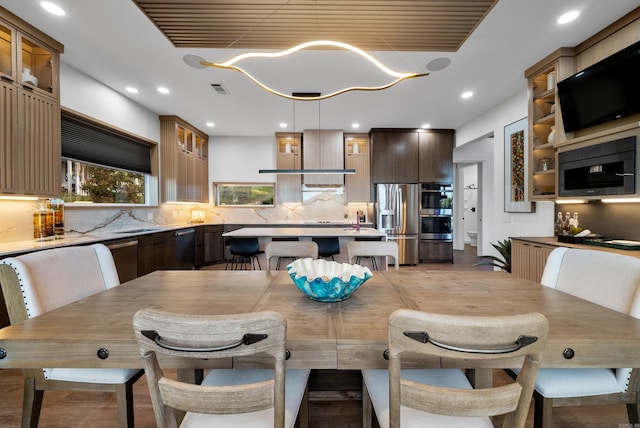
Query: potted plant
{"x": 503, "y": 262}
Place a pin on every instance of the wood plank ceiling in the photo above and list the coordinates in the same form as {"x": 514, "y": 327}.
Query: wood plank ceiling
{"x": 373, "y": 25}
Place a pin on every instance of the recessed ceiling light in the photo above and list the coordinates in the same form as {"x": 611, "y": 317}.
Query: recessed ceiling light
{"x": 568, "y": 17}
{"x": 425, "y": 126}
{"x": 467, "y": 94}
{"x": 131, "y": 89}
{"x": 355, "y": 125}
{"x": 283, "y": 124}
{"x": 52, "y": 8}
{"x": 211, "y": 124}
{"x": 163, "y": 90}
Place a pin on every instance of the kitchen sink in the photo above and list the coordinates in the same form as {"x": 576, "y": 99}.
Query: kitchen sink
{"x": 146, "y": 229}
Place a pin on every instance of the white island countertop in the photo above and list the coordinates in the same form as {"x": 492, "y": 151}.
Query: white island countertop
{"x": 265, "y": 232}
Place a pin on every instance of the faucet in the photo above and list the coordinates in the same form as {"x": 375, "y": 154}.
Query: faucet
{"x": 357, "y": 225}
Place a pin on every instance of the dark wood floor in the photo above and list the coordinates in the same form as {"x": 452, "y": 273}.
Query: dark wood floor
{"x": 63, "y": 409}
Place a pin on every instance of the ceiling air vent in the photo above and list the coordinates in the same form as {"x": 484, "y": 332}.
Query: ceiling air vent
{"x": 221, "y": 90}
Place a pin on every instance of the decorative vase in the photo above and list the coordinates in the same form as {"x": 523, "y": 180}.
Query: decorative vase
{"x": 551, "y": 80}
{"x": 356, "y": 148}
{"x": 552, "y": 135}
{"x": 287, "y": 148}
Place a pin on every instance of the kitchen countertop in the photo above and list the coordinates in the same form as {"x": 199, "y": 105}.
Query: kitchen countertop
{"x": 305, "y": 232}
{"x": 552, "y": 241}
{"x": 21, "y": 247}
{"x": 8, "y": 249}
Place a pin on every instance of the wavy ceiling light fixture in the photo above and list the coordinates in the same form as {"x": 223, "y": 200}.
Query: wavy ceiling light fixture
{"x": 198, "y": 62}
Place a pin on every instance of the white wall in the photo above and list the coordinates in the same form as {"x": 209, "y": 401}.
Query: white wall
{"x": 86, "y": 95}
{"x": 238, "y": 159}
{"x": 496, "y": 223}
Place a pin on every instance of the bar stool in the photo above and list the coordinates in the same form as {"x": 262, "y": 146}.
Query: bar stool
{"x": 244, "y": 252}
{"x": 327, "y": 246}
{"x": 282, "y": 239}
{"x": 361, "y": 258}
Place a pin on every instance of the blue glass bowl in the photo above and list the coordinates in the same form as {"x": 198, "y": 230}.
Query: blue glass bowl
{"x": 327, "y": 281}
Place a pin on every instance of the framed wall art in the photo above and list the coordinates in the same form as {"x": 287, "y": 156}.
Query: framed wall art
{"x": 516, "y": 164}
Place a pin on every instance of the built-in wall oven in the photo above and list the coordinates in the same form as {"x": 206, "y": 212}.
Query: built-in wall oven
{"x": 436, "y": 211}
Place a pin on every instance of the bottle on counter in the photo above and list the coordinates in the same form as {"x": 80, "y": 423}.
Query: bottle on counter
{"x": 557, "y": 226}
{"x": 57, "y": 205}
{"x": 566, "y": 226}
{"x": 574, "y": 225}
{"x": 43, "y": 223}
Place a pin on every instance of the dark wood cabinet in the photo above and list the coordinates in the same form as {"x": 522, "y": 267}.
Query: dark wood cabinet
{"x": 394, "y": 156}
{"x": 125, "y": 256}
{"x": 213, "y": 244}
{"x": 436, "y": 251}
{"x": 156, "y": 251}
{"x": 436, "y": 156}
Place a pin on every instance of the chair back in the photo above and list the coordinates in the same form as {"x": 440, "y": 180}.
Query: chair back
{"x": 293, "y": 249}
{"x": 244, "y": 246}
{"x": 607, "y": 279}
{"x": 466, "y": 342}
{"x": 41, "y": 281}
{"x": 205, "y": 337}
{"x": 328, "y": 246}
{"x": 373, "y": 249}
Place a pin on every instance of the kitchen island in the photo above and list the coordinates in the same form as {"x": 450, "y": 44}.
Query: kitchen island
{"x": 305, "y": 232}
{"x": 344, "y": 234}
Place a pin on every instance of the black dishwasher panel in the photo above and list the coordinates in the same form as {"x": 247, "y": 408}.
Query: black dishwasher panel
{"x": 186, "y": 249}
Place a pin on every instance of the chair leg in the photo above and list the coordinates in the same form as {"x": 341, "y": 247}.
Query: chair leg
{"x": 632, "y": 412}
{"x": 31, "y": 404}
{"x": 543, "y": 411}
{"x": 303, "y": 413}
{"x": 367, "y": 407}
{"x": 124, "y": 395}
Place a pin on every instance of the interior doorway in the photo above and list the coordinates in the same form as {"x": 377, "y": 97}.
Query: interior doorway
{"x": 468, "y": 227}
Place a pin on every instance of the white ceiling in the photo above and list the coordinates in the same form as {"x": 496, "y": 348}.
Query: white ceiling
{"x": 115, "y": 43}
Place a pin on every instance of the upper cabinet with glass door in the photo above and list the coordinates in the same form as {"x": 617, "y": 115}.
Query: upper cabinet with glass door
{"x": 28, "y": 57}
{"x": 7, "y": 41}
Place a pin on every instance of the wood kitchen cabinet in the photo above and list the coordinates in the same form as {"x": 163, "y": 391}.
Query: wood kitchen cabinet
{"x": 288, "y": 186}
{"x": 184, "y": 171}
{"x": 394, "y": 156}
{"x": 323, "y": 149}
{"x": 436, "y": 156}
{"x": 528, "y": 259}
{"x": 30, "y": 113}
{"x": 156, "y": 251}
{"x": 356, "y": 156}
{"x": 436, "y": 251}
{"x": 213, "y": 244}
{"x": 544, "y": 119}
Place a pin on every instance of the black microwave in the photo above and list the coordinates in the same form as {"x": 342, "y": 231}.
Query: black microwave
{"x": 606, "y": 169}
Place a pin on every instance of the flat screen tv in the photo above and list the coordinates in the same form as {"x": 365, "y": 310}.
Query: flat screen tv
{"x": 607, "y": 90}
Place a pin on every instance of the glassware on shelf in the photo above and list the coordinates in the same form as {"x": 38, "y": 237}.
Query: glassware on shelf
{"x": 545, "y": 164}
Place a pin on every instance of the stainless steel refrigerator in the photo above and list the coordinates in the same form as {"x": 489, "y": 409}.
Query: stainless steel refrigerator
{"x": 398, "y": 215}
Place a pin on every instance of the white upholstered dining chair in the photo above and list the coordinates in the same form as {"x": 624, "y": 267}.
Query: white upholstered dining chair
{"x": 607, "y": 279}
{"x": 41, "y": 281}
{"x": 359, "y": 249}
{"x": 416, "y": 398}
{"x": 289, "y": 249}
{"x": 234, "y": 397}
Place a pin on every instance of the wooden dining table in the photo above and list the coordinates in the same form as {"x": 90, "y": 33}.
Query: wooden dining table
{"x": 97, "y": 331}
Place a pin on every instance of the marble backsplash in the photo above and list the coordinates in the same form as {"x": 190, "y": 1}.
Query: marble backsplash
{"x": 16, "y": 217}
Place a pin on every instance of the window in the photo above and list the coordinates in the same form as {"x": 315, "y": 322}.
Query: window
{"x": 101, "y": 164}
{"x": 244, "y": 194}
{"x": 83, "y": 182}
